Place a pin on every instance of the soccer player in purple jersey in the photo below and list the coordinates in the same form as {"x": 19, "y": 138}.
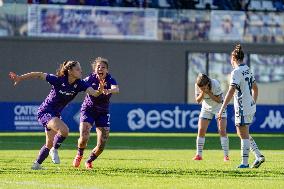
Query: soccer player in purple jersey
{"x": 66, "y": 84}
{"x": 96, "y": 110}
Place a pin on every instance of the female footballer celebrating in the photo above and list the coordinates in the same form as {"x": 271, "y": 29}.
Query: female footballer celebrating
{"x": 245, "y": 91}
{"x": 66, "y": 84}
{"x": 96, "y": 110}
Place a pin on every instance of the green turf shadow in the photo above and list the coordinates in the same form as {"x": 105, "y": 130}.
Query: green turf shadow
{"x": 143, "y": 141}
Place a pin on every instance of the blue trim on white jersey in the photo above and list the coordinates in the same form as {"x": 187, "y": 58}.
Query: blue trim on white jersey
{"x": 239, "y": 103}
{"x": 242, "y": 120}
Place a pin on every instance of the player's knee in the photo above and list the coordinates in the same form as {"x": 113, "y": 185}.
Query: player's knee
{"x": 84, "y": 139}
{"x": 64, "y": 131}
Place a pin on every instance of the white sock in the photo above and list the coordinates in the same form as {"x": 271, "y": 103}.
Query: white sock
{"x": 199, "y": 145}
{"x": 225, "y": 145}
{"x": 253, "y": 148}
{"x": 245, "y": 144}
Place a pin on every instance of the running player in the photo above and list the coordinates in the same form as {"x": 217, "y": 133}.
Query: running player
{"x": 66, "y": 84}
{"x": 245, "y": 91}
{"x": 208, "y": 92}
{"x": 96, "y": 110}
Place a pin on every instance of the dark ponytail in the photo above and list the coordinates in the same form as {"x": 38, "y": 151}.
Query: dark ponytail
{"x": 64, "y": 67}
{"x": 238, "y": 53}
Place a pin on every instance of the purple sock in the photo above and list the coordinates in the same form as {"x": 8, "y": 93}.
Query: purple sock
{"x": 43, "y": 154}
{"x": 80, "y": 151}
{"x": 92, "y": 158}
{"x": 58, "y": 139}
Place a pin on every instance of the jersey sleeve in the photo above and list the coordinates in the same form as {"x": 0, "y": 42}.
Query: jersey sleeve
{"x": 112, "y": 81}
{"x": 52, "y": 79}
{"x": 235, "y": 79}
{"x": 83, "y": 85}
{"x": 87, "y": 79}
{"x": 197, "y": 91}
{"x": 217, "y": 88}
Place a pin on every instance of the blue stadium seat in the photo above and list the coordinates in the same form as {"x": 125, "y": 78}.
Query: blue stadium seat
{"x": 163, "y": 4}
{"x": 210, "y": 2}
{"x": 15, "y": 1}
{"x": 255, "y": 5}
{"x": 268, "y": 5}
{"x": 200, "y": 5}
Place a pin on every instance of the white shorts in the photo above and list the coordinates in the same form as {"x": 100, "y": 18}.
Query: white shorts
{"x": 243, "y": 120}
{"x": 204, "y": 114}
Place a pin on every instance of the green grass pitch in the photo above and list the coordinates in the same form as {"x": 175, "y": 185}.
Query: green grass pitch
{"x": 141, "y": 160}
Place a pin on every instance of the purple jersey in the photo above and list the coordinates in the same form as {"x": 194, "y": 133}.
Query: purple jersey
{"x": 61, "y": 93}
{"x": 100, "y": 103}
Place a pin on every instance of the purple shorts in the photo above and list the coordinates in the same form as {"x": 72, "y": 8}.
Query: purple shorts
{"x": 101, "y": 119}
{"x": 45, "y": 117}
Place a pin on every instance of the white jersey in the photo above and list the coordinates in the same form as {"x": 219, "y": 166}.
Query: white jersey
{"x": 209, "y": 104}
{"x": 242, "y": 79}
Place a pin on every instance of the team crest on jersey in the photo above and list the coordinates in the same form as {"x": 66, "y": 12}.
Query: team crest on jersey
{"x": 63, "y": 85}
{"x": 75, "y": 86}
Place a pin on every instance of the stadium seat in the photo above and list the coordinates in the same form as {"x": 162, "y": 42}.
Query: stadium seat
{"x": 163, "y": 4}
{"x": 210, "y": 2}
{"x": 200, "y": 4}
{"x": 15, "y": 1}
{"x": 255, "y": 5}
{"x": 268, "y": 5}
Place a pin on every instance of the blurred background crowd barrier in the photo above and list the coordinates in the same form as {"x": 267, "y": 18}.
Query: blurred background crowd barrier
{"x": 137, "y": 23}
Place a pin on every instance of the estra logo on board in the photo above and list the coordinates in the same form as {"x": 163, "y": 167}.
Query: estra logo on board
{"x": 167, "y": 119}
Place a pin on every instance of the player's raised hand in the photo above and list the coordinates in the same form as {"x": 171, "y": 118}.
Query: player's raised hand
{"x": 102, "y": 86}
{"x": 206, "y": 89}
{"x": 13, "y": 76}
{"x": 106, "y": 92}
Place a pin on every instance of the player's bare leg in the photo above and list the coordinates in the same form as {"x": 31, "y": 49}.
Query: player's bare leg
{"x": 102, "y": 137}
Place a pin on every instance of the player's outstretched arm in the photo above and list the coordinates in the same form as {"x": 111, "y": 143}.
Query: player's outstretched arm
{"x": 113, "y": 90}
{"x": 32, "y": 75}
{"x": 93, "y": 92}
{"x": 227, "y": 99}
{"x": 254, "y": 91}
{"x": 98, "y": 92}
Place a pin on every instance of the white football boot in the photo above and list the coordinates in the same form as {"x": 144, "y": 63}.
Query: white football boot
{"x": 37, "y": 166}
{"x": 54, "y": 155}
{"x": 258, "y": 162}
